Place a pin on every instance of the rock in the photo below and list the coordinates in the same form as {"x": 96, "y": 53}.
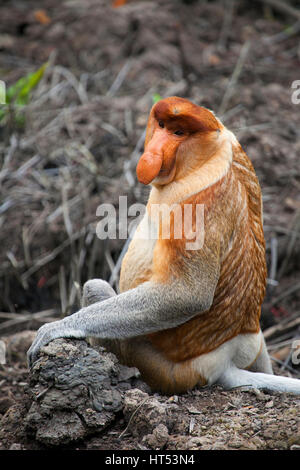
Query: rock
{"x": 182, "y": 442}
{"x": 5, "y": 404}
{"x": 144, "y": 413}
{"x": 295, "y": 447}
{"x": 74, "y": 392}
{"x": 62, "y": 428}
{"x": 294, "y": 440}
{"x": 128, "y": 372}
{"x": 15, "y": 446}
{"x": 270, "y": 404}
{"x": 12, "y": 425}
{"x": 18, "y": 344}
{"x": 158, "y": 439}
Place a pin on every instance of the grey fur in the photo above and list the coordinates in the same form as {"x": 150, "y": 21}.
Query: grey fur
{"x": 97, "y": 292}
{"x": 148, "y": 308}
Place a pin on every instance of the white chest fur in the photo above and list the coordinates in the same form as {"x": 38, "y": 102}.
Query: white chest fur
{"x": 137, "y": 263}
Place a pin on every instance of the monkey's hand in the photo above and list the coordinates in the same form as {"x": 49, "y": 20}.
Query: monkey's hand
{"x": 47, "y": 333}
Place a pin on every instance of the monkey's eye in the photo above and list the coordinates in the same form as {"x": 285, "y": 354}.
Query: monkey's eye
{"x": 161, "y": 124}
{"x": 179, "y": 132}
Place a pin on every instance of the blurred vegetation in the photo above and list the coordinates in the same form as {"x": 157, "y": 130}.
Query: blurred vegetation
{"x": 18, "y": 95}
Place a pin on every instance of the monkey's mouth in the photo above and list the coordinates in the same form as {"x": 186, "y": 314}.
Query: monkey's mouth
{"x": 166, "y": 174}
{"x": 155, "y": 168}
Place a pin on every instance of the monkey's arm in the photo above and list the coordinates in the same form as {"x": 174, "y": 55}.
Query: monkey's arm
{"x": 150, "y": 307}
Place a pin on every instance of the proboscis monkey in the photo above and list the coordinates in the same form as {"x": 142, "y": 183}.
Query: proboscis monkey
{"x": 187, "y": 317}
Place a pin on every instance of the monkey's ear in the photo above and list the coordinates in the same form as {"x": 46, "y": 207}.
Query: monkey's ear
{"x": 150, "y": 126}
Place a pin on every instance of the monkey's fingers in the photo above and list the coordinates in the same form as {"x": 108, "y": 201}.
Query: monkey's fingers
{"x": 32, "y": 354}
{"x": 44, "y": 335}
{"x": 34, "y": 350}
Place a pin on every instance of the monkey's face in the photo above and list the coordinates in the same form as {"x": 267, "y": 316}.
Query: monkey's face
{"x": 180, "y": 137}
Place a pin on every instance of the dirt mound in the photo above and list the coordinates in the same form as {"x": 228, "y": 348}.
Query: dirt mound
{"x": 78, "y": 397}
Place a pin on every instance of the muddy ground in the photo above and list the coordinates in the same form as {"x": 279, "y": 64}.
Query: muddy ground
{"x": 78, "y": 147}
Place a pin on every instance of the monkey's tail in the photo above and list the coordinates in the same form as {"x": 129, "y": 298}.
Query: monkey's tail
{"x": 234, "y": 377}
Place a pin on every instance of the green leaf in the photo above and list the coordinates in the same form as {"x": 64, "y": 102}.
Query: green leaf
{"x": 19, "y": 93}
{"x": 156, "y": 97}
{"x": 2, "y": 93}
{"x": 289, "y": 30}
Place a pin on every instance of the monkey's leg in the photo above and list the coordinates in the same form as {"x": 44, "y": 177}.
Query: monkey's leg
{"x": 96, "y": 290}
{"x": 263, "y": 361}
{"x": 260, "y": 375}
{"x": 157, "y": 371}
{"x": 234, "y": 377}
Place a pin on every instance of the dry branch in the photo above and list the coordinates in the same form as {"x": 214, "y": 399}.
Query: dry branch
{"x": 281, "y": 328}
{"x": 283, "y": 7}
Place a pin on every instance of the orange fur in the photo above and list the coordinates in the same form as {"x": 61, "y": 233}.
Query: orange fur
{"x": 206, "y": 297}
{"x": 162, "y": 157}
{"x": 157, "y": 371}
{"x": 211, "y": 169}
{"x": 241, "y": 286}
{"x": 181, "y": 112}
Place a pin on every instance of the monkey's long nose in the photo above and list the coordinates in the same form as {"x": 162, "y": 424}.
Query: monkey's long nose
{"x": 148, "y": 167}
